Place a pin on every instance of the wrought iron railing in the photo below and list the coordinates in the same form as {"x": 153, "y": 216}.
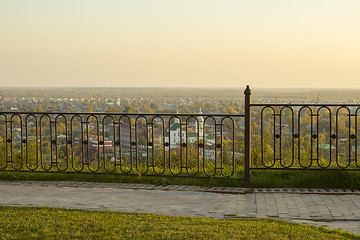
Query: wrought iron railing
{"x": 306, "y": 136}
{"x": 266, "y": 136}
{"x": 300, "y": 137}
{"x": 193, "y": 145}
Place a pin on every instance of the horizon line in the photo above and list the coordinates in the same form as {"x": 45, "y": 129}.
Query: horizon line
{"x": 186, "y": 88}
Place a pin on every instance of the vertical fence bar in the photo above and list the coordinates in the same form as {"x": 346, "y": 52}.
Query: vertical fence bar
{"x": 247, "y": 153}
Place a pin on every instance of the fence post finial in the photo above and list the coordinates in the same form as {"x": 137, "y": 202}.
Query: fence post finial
{"x": 247, "y": 91}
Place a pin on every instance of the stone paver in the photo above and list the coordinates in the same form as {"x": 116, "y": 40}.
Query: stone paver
{"x": 328, "y": 208}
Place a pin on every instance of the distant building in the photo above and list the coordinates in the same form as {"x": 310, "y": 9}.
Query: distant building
{"x": 174, "y": 136}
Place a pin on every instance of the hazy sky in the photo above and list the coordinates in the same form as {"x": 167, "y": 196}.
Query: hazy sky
{"x": 180, "y": 43}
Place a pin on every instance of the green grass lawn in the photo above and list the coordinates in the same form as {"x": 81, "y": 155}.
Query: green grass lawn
{"x": 259, "y": 179}
{"x": 48, "y": 223}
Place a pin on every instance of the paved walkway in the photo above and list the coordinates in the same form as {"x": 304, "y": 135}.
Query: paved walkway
{"x": 332, "y": 208}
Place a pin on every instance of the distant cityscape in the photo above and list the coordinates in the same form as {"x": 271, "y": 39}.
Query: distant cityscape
{"x": 211, "y": 101}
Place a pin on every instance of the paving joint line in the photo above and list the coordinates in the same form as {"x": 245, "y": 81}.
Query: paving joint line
{"x": 223, "y": 190}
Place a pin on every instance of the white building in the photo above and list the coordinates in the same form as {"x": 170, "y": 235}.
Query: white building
{"x": 175, "y": 137}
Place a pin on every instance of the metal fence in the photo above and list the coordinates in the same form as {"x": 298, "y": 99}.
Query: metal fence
{"x": 185, "y": 145}
{"x": 301, "y": 136}
{"x": 265, "y": 137}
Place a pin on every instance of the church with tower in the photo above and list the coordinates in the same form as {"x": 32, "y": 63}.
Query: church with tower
{"x": 178, "y": 133}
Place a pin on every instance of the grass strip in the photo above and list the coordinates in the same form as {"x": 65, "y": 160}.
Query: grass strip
{"x": 50, "y": 223}
{"x": 259, "y": 179}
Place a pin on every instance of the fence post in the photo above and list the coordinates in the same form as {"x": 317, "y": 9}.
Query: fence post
{"x": 247, "y": 153}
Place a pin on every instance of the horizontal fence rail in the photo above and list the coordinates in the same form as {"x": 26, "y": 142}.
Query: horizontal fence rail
{"x": 305, "y": 136}
{"x": 186, "y": 145}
